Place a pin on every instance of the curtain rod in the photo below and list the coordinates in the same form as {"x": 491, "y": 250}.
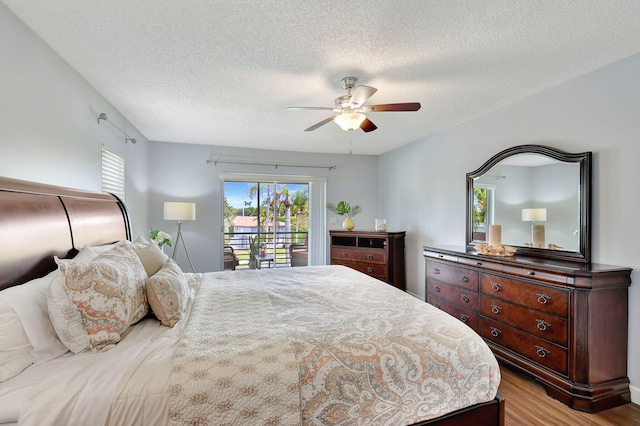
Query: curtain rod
{"x": 216, "y": 162}
{"x": 103, "y": 116}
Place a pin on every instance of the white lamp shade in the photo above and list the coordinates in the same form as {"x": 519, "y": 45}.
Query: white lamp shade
{"x": 534, "y": 215}
{"x": 349, "y": 121}
{"x": 179, "y": 211}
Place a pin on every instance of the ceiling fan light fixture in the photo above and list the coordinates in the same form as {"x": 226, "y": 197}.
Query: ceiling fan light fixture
{"x": 349, "y": 121}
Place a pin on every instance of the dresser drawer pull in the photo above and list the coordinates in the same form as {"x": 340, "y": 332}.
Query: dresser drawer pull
{"x": 369, "y": 269}
{"x": 441, "y": 256}
{"x": 531, "y": 273}
{"x": 542, "y": 325}
{"x": 496, "y": 286}
{"x": 345, "y": 254}
{"x": 543, "y": 298}
{"x": 464, "y": 279}
{"x": 369, "y": 256}
{"x": 437, "y": 289}
{"x": 496, "y": 309}
{"x": 478, "y": 263}
{"x": 464, "y": 318}
{"x": 464, "y": 298}
{"x": 542, "y": 352}
{"x": 495, "y": 332}
{"x": 436, "y": 271}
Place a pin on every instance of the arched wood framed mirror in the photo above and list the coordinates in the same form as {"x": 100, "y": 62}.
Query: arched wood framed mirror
{"x": 540, "y": 197}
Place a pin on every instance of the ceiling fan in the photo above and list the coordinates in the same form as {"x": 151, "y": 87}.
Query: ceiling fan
{"x": 350, "y": 108}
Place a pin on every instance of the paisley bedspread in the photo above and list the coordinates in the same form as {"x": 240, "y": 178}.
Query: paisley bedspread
{"x": 322, "y": 345}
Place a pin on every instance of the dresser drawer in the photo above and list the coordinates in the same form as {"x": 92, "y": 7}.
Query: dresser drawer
{"x": 458, "y": 295}
{"x": 548, "y": 299}
{"x": 535, "y": 322}
{"x": 441, "y": 256}
{"x": 453, "y": 274}
{"x": 359, "y": 255}
{"x": 468, "y": 317}
{"x": 484, "y": 263}
{"x": 532, "y": 347}
{"x": 373, "y": 269}
{"x": 548, "y": 275}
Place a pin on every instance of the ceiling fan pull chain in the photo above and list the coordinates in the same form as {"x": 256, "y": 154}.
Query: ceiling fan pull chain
{"x": 350, "y": 133}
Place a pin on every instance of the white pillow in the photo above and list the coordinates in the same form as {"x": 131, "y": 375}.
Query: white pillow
{"x": 26, "y": 334}
{"x": 29, "y": 300}
{"x": 150, "y": 255}
{"x": 167, "y": 292}
{"x": 108, "y": 294}
{"x": 15, "y": 348}
{"x": 101, "y": 249}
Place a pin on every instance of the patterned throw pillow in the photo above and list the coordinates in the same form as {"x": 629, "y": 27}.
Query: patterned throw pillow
{"x": 167, "y": 291}
{"x": 108, "y": 294}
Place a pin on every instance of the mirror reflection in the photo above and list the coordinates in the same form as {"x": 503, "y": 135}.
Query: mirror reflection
{"x": 535, "y": 201}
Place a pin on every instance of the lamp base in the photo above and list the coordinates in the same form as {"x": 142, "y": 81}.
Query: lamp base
{"x": 537, "y": 235}
{"x": 175, "y": 247}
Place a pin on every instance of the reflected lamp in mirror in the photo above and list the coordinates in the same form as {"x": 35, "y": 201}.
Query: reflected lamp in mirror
{"x": 537, "y": 229}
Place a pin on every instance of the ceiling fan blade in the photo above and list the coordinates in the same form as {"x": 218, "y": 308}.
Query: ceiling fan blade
{"x": 293, "y": 108}
{"x": 322, "y": 123}
{"x": 361, "y": 95}
{"x": 408, "y": 106}
{"x": 368, "y": 126}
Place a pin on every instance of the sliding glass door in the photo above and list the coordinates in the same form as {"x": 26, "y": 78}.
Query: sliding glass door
{"x": 268, "y": 220}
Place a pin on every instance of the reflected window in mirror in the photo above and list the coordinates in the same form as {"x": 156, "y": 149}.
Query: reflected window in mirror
{"x": 483, "y": 197}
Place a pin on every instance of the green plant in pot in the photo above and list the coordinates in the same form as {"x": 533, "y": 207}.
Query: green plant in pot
{"x": 347, "y": 211}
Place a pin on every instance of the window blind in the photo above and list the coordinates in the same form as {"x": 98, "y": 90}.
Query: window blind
{"x": 113, "y": 173}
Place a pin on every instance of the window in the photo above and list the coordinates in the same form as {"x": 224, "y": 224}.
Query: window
{"x": 113, "y": 173}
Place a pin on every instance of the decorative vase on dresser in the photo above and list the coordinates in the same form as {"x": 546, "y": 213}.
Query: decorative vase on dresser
{"x": 564, "y": 323}
{"x": 378, "y": 254}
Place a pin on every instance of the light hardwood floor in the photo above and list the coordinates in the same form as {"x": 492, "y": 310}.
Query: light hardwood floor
{"x": 527, "y": 403}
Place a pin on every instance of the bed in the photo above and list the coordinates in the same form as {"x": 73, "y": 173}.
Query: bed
{"x": 322, "y": 345}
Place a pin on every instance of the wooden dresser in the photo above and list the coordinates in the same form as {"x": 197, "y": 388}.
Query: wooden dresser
{"x": 378, "y": 254}
{"x": 563, "y": 323}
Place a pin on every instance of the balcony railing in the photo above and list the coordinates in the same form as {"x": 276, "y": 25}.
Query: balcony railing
{"x": 274, "y": 244}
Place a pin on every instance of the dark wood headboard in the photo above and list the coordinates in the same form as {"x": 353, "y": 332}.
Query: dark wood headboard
{"x": 38, "y": 222}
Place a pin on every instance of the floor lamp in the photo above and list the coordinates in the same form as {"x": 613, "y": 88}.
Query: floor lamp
{"x": 180, "y": 211}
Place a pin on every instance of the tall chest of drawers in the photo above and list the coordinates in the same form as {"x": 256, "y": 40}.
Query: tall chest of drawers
{"x": 563, "y": 323}
{"x": 377, "y": 254}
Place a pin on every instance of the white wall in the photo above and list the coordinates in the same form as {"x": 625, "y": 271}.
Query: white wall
{"x": 48, "y": 122}
{"x": 422, "y": 185}
{"x": 180, "y": 172}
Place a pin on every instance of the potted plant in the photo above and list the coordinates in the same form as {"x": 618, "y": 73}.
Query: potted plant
{"x": 254, "y": 251}
{"x": 347, "y": 211}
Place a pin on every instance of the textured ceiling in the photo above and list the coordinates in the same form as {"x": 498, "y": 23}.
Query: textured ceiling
{"x": 223, "y": 72}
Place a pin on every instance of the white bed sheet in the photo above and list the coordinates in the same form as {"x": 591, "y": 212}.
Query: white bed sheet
{"x": 14, "y": 393}
{"x": 86, "y": 376}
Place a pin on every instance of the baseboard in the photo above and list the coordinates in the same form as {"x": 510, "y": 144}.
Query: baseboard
{"x": 417, "y": 296}
{"x": 635, "y": 394}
